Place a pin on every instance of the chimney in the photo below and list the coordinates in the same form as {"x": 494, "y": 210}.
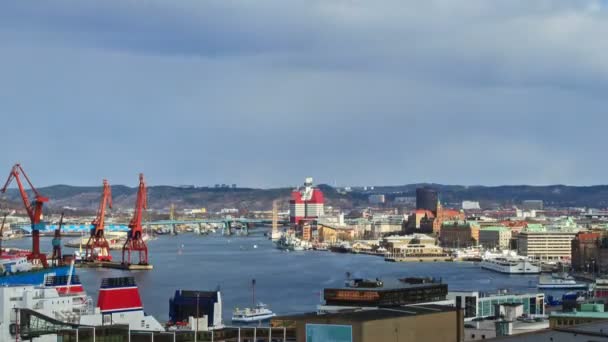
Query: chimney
{"x": 459, "y": 320}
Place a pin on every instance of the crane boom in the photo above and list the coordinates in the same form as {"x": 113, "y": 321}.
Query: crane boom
{"x": 135, "y": 240}
{"x": 34, "y": 211}
{"x": 97, "y": 241}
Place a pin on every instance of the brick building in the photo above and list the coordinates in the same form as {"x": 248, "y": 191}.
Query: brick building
{"x": 459, "y": 234}
{"x": 590, "y": 252}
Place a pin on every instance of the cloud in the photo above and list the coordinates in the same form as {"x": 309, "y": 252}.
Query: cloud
{"x": 264, "y": 93}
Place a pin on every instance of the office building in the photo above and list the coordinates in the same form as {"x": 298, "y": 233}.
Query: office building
{"x": 545, "y": 245}
{"x": 495, "y": 237}
{"x": 427, "y": 199}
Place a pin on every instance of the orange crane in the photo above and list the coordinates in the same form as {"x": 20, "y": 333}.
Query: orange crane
{"x": 34, "y": 211}
{"x": 97, "y": 240}
{"x": 2, "y": 231}
{"x": 135, "y": 240}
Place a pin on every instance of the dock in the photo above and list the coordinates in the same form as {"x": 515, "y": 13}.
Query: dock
{"x": 115, "y": 265}
{"x": 419, "y": 259}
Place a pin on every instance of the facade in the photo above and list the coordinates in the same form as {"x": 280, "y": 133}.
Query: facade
{"x": 495, "y": 237}
{"x": 386, "y": 224}
{"x": 545, "y": 245}
{"x": 306, "y": 203}
{"x": 376, "y": 199}
{"x": 590, "y": 253}
{"x": 412, "y": 245}
{"x": 399, "y": 324}
{"x": 459, "y": 234}
{"x": 470, "y": 205}
{"x": 427, "y": 199}
{"x": 480, "y": 305}
{"x": 586, "y": 313}
{"x": 532, "y": 205}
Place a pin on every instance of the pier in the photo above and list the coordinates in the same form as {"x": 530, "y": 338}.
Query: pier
{"x": 114, "y": 265}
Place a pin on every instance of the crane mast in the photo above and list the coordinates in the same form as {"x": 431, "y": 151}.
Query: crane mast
{"x": 97, "y": 240}
{"x": 34, "y": 211}
{"x": 135, "y": 240}
{"x": 57, "y": 257}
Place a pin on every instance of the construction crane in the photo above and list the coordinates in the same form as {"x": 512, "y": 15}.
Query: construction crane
{"x": 2, "y": 231}
{"x": 135, "y": 240}
{"x": 34, "y": 211}
{"x": 97, "y": 240}
{"x": 57, "y": 258}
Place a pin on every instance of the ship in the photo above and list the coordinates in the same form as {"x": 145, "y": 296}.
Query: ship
{"x": 560, "y": 281}
{"x": 258, "y": 313}
{"x": 509, "y": 264}
{"x": 16, "y": 269}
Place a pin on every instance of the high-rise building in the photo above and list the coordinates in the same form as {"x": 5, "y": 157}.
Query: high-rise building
{"x": 307, "y": 203}
{"x": 426, "y": 198}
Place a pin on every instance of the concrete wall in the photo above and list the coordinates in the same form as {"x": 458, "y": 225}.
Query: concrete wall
{"x": 438, "y": 327}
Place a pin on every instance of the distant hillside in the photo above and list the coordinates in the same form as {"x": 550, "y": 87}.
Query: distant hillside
{"x": 261, "y": 199}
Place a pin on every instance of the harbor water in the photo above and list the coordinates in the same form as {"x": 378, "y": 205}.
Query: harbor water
{"x": 289, "y": 282}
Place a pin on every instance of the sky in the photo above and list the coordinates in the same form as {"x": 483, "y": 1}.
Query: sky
{"x": 264, "y": 93}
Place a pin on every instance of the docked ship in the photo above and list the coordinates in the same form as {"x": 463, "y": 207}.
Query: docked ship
{"x": 560, "y": 281}
{"x": 16, "y": 269}
{"x": 61, "y": 301}
{"x": 258, "y": 313}
{"x": 509, "y": 264}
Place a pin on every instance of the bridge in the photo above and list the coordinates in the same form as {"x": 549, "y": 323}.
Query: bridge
{"x": 226, "y": 223}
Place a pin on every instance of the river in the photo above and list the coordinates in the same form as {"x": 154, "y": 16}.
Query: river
{"x": 289, "y": 282}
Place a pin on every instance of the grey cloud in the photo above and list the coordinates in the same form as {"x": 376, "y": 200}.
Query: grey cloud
{"x": 263, "y": 93}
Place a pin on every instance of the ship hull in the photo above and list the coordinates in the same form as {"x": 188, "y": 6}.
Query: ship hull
{"x": 34, "y": 277}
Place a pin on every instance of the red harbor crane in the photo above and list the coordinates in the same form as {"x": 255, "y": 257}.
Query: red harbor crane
{"x": 135, "y": 240}
{"x": 34, "y": 211}
{"x": 97, "y": 241}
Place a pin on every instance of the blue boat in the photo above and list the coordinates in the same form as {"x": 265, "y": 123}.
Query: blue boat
{"x": 33, "y": 277}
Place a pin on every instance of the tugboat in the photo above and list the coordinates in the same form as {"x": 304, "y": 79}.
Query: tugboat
{"x": 258, "y": 313}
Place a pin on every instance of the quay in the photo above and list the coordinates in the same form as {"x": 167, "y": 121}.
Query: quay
{"x": 420, "y": 259}
{"x": 114, "y": 265}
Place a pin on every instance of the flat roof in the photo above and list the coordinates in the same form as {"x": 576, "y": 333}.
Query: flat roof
{"x": 389, "y": 284}
{"x": 375, "y": 314}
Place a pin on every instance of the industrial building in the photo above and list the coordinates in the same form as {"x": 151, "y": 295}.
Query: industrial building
{"x": 398, "y": 324}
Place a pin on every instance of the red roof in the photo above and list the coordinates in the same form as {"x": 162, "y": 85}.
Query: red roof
{"x": 451, "y": 212}
{"x": 424, "y": 212}
{"x": 587, "y": 236}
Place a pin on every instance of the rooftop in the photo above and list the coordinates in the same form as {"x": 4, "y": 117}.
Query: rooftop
{"x": 374, "y": 314}
{"x": 390, "y": 284}
{"x": 496, "y": 229}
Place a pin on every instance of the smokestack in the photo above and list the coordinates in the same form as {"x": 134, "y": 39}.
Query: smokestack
{"x": 459, "y": 320}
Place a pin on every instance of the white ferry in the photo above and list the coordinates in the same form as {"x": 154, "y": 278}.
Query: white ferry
{"x": 560, "y": 281}
{"x": 261, "y": 312}
{"x": 509, "y": 264}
